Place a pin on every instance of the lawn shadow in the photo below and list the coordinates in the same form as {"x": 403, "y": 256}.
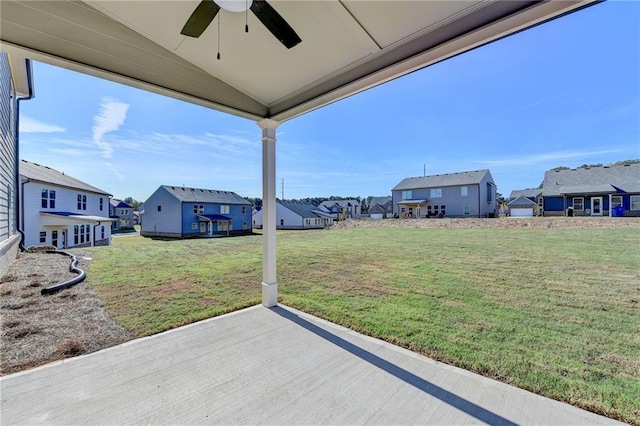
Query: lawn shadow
{"x": 444, "y": 395}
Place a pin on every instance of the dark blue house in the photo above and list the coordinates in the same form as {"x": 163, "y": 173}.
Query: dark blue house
{"x": 592, "y": 191}
{"x": 176, "y": 211}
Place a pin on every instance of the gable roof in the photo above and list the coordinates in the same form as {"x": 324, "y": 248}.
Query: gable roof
{"x": 529, "y": 193}
{"x": 592, "y": 180}
{"x": 302, "y": 209}
{"x": 119, "y": 204}
{"x": 522, "y": 201}
{"x": 341, "y": 203}
{"x": 201, "y": 195}
{"x": 44, "y": 174}
{"x": 447, "y": 179}
{"x": 381, "y": 200}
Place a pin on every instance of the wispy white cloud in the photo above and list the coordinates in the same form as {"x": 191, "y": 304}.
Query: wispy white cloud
{"x": 115, "y": 171}
{"x": 111, "y": 116}
{"x": 546, "y": 158}
{"x": 31, "y": 125}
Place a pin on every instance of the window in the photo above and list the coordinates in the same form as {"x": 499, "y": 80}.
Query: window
{"x": 54, "y": 238}
{"x": 87, "y": 234}
{"x": 82, "y": 202}
{"x": 81, "y": 234}
{"x": 464, "y": 191}
{"x": 198, "y": 209}
{"x": 466, "y": 209}
{"x": 224, "y": 209}
{"x": 102, "y": 232}
{"x": 123, "y": 212}
{"x": 194, "y": 225}
{"x": 616, "y": 200}
{"x": 429, "y": 210}
{"x": 407, "y": 195}
{"x": 635, "y": 202}
{"x": 435, "y": 193}
{"x": 489, "y": 192}
{"x": 43, "y": 236}
{"x": 159, "y": 208}
{"x": 101, "y": 203}
{"x": 578, "y": 203}
{"x": 281, "y": 222}
{"x": 443, "y": 210}
{"x": 244, "y": 209}
{"x": 48, "y": 199}
{"x": 76, "y": 234}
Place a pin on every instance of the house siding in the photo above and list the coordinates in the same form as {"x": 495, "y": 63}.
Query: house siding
{"x": 165, "y": 223}
{"x": 235, "y": 213}
{"x": 9, "y": 237}
{"x": 66, "y": 201}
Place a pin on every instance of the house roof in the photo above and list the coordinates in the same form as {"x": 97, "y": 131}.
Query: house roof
{"x": 521, "y": 201}
{"x": 381, "y": 200}
{"x": 80, "y": 217}
{"x": 447, "y": 179}
{"x": 44, "y": 174}
{"x": 341, "y": 203}
{"x": 529, "y": 193}
{"x": 201, "y": 195}
{"x": 592, "y": 180}
{"x": 347, "y": 46}
{"x": 119, "y": 204}
{"x": 306, "y": 210}
{"x": 207, "y": 217}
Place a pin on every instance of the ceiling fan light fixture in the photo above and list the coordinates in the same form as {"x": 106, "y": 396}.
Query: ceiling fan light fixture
{"x": 234, "y": 5}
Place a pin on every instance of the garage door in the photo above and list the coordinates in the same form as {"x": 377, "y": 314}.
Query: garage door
{"x": 521, "y": 212}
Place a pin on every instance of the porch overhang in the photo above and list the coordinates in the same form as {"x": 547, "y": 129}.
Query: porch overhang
{"x": 69, "y": 218}
{"x": 412, "y": 202}
{"x": 213, "y": 217}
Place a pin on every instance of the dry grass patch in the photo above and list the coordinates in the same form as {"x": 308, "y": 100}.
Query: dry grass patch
{"x": 37, "y": 329}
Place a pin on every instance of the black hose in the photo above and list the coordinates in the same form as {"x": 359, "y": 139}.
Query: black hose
{"x": 72, "y": 268}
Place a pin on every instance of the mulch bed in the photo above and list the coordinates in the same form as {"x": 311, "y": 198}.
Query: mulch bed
{"x": 37, "y": 329}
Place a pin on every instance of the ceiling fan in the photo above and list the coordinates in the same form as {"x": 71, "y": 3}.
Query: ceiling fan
{"x": 208, "y": 9}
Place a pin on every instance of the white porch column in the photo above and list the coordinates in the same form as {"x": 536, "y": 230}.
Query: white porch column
{"x": 269, "y": 283}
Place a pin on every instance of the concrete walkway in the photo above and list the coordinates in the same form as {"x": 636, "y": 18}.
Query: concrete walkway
{"x": 267, "y": 366}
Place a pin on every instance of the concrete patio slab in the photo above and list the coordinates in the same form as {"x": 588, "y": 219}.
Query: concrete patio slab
{"x": 268, "y": 366}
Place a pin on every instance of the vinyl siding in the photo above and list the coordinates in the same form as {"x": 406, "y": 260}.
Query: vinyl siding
{"x": 167, "y": 222}
{"x": 66, "y": 201}
{"x": 8, "y": 104}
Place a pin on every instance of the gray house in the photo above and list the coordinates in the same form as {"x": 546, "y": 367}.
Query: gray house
{"x": 180, "y": 212}
{"x": 296, "y": 215}
{"x": 15, "y": 85}
{"x": 381, "y": 207}
{"x": 522, "y": 207}
{"x": 592, "y": 191}
{"x": 124, "y": 214}
{"x": 341, "y": 209}
{"x": 464, "y": 194}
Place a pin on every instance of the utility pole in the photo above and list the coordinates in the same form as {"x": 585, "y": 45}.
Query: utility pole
{"x": 424, "y": 173}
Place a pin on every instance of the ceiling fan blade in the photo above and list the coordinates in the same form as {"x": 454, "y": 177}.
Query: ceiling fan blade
{"x": 275, "y": 23}
{"x": 200, "y": 18}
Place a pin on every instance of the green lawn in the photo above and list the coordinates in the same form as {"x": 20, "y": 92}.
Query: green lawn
{"x": 554, "y": 311}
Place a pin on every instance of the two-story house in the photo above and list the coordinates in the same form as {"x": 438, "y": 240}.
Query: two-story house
{"x": 62, "y": 211}
{"x": 123, "y": 212}
{"x": 179, "y": 212}
{"x": 464, "y": 194}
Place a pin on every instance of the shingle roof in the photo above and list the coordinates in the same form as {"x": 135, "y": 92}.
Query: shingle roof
{"x": 201, "y": 195}
{"x": 529, "y": 193}
{"x": 592, "y": 180}
{"x": 37, "y": 172}
{"x": 522, "y": 201}
{"x": 380, "y": 200}
{"x": 447, "y": 179}
{"x": 302, "y": 209}
{"x": 119, "y": 204}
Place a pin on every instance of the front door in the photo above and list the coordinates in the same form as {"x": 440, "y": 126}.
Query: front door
{"x": 203, "y": 227}
{"x": 596, "y": 206}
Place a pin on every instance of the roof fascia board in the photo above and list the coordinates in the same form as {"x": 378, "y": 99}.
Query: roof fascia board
{"x": 75, "y": 188}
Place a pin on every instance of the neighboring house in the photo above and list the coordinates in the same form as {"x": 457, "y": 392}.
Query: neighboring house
{"x": 380, "y": 207}
{"x": 522, "y": 206}
{"x": 136, "y": 217}
{"x": 123, "y": 212}
{"x": 296, "y": 215}
{"x": 61, "y": 211}
{"x": 464, "y": 194}
{"x": 533, "y": 194}
{"x": 592, "y": 191}
{"x": 15, "y": 85}
{"x": 176, "y": 211}
{"x": 341, "y": 209}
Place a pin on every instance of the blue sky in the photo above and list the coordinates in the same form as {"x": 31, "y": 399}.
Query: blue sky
{"x": 564, "y": 93}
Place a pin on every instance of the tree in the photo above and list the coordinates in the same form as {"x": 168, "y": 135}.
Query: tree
{"x": 132, "y": 202}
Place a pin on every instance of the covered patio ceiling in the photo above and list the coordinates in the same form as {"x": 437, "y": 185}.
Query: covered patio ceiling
{"x": 347, "y": 45}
